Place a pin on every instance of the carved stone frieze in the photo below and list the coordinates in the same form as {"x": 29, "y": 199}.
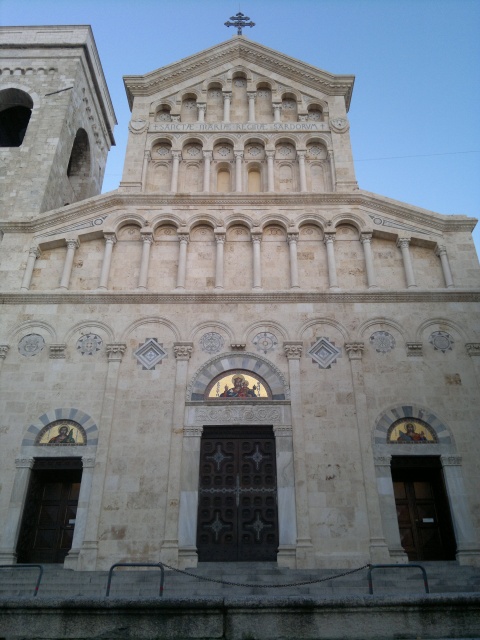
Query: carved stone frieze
{"x": 293, "y": 350}
{"x": 238, "y": 414}
{"x": 414, "y": 349}
{"x": 193, "y": 432}
{"x": 355, "y": 350}
{"x": 115, "y": 351}
{"x": 183, "y": 350}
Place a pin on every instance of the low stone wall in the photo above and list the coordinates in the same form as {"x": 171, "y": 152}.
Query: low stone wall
{"x": 248, "y": 618}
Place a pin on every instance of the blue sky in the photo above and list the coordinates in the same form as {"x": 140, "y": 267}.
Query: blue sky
{"x": 415, "y": 120}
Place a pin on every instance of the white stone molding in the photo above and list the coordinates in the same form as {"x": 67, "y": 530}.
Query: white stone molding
{"x": 257, "y": 260}
{"x": 220, "y": 238}
{"x": 57, "y": 351}
{"x": 202, "y": 107}
{"x": 184, "y": 239}
{"x": 270, "y": 170}
{"x": 183, "y": 350}
{"x": 110, "y": 241}
{"x": 329, "y": 239}
{"x": 404, "y": 245}
{"x": 147, "y": 241}
{"x": 207, "y": 159}
{"x": 251, "y": 95}
{"x": 293, "y": 350}
{"x": 72, "y": 246}
{"x": 238, "y": 171}
{"x": 33, "y": 254}
{"x": 355, "y": 350}
{"x": 115, "y": 351}
{"x": 473, "y": 349}
{"x": 366, "y": 240}
{"x": 176, "y": 155}
{"x": 414, "y": 349}
{"x": 441, "y": 252}
{"x": 227, "y": 98}
{"x": 292, "y": 240}
{"x": 193, "y": 432}
{"x": 301, "y": 166}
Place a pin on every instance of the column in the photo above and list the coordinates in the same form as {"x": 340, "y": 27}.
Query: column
{"x": 187, "y": 518}
{"x": 176, "y": 155}
{"x": 4, "y": 349}
{"x": 468, "y": 549}
{"x": 332, "y": 269}
{"x": 207, "y": 158}
{"x": 87, "y": 559}
{"x": 301, "y": 166}
{"x": 388, "y": 509}
{"x": 88, "y": 465}
{"x": 331, "y": 159}
{"x": 72, "y": 245}
{"x": 270, "y": 171}
{"x": 202, "y": 107}
{"x": 292, "y": 239}
{"x": 404, "y": 243}
{"x": 257, "y": 261}
{"x": 182, "y": 260}
{"x": 441, "y": 252}
{"x": 378, "y": 546}
{"x": 304, "y": 551}
{"x": 219, "y": 268}
{"x": 13, "y": 518}
{"x": 287, "y": 512}
{"x": 366, "y": 239}
{"x": 147, "y": 156}
{"x": 251, "y": 105}
{"x": 147, "y": 238}
{"x": 33, "y": 254}
{"x": 183, "y": 351}
{"x": 277, "y": 111}
{"x": 238, "y": 170}
{"x": 227, "y": 97}
{"x": 110, "y": 240}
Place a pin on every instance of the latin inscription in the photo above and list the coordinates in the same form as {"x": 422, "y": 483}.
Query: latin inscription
{"x": 232, "y": 126}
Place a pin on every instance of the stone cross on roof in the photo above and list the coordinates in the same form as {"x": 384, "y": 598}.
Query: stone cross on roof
{"x": 239, "y": 21}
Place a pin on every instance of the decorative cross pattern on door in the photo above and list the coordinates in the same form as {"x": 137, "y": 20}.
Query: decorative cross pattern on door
{"x": 237, "y": 514}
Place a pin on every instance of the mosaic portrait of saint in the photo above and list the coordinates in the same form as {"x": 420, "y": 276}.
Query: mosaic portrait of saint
{"x": 239, "y": 385}
{"x": 410, "y": 431}
{"x": 62, "y": 432}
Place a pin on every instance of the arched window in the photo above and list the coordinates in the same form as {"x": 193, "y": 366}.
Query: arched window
{"x": 15, "y": 111}
{"x": 254, "y": 182}
{"x": 78, "y": 170}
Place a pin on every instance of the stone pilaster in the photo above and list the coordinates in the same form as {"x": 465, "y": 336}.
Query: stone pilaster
{"x": 147, "y": 241}
{"x": 257, "y": 261}
{"x": 220, "y": 237}
{"x": 292, "y": 239}
{"x": 182, "y": 260}
{"x": 33, "y": 254}
{"x": 388, "y": 509}
{"x": 88, "y": 465}
{"x": 13, "y": 517}
{"x": 110, "y": 241}
{"x": 404, "y": 245}
{"x": 441, "y": 252}
{"x": 329, "y": 239}
{"x": 366, "y": 239}
{"x": 72, "y": 246}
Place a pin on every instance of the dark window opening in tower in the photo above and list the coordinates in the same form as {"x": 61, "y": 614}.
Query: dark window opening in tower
{"x": 15, "y": 111}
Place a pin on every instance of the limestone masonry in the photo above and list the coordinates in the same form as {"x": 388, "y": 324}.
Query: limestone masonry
{"x": 238, "y": 354}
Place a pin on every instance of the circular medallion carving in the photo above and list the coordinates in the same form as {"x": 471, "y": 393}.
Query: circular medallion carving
{"x": 31, "y": 344}
{"x": 265, "y": 341}
{"x": 212, "y": 342}
{"x": 339, "y": 124}
{"x": 89, "y": 344}
{"x": 441, "y": 341}
{"x": 382, "y": 341}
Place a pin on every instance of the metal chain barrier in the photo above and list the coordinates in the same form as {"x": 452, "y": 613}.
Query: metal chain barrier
{"x": 266, "y": 586}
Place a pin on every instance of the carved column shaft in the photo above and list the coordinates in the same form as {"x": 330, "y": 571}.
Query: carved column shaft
{"x": 270, "y": 171}
{"x": 292, "y": 239}
{"x": 143, "y": 275}
{"x": 72, "y": 245}
{"x": 175, "y": 166}
{"x": 332, "y": 269}
{"x": 302, "y": 171}
{"x": 202, "y": 107}
{"x": 441, "y": 252}
{"x": 33, "y": 254}
{"x": 238, "y": 171}
{"x": 378, "y": 546}
{"x": 207, "y": 158}
{"x": 366, "y": 239}
{"x": 110, "y": 240}
{"x": 89, "y": 551}
{"x": 257, "y": 261}
{"x": 251, "y": 105}
{"x": 277, "y": 112}
{"x": 182, "y": 260}
{"x": 404, "y": 244}
{"x": 219, "y": 262}
{"x": 227, "y": 96}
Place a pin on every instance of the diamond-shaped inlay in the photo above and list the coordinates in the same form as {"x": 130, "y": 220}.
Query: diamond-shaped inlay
{"x": 150, "y": 353}
{"x": 324, "y": 353}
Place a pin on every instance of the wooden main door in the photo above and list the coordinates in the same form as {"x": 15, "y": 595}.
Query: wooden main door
{"x": 237, "y": 513}
{"x": 49, "y": 516}
{"x": 423, "y": 512}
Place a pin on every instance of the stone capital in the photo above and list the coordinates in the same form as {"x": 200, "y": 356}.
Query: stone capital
{"x": 176, "y": 154}
{"x": 72, "y": 243}
{"x": 301, "y": 153}
{"x": 220, "y": 237}
{"x": 24, "y": 463}
{"x": 57, "y": 351}
{"x": 403, "y": 243}
{"x": 292, "y": 237}
{"x": 207, "y": 155}
{"x": 202, "y": 106}
{"x": 414, "y": 349}
{"x": 270, "y": 154}
{"x": 4, "y": 348}
{"x": 227, "y": 95}
{"x": 282, "y": 431}
{"x": 256, "y": 237}
{"x": 193, "y": 432}
{"x": 382, "y": 461}
{"x": 366, "y": 237}
{"x": 238, "y": 154}
{"x": 88, "y": 462}
{"x": 251, "y": 95}
{"x": 147, "y": 236}
{"x": 183, "y": 237}
{"x": 293, "y": 350}
{"x": 355, "y": 350}
{"x": 440, "y": 250}
{"x": 147, "y": 155}
{"x": 115, "y": 351}
{"x": 329, "y": 236}
{"x": 110, "y": 237}
{"x": 473, "y": 348}
{"x": 35, "y": 252}
{"x": 183, "y": 350}
{"x": 451, "y": 461}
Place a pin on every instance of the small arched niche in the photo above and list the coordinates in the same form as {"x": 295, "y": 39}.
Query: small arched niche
{"x": 15, "y": 111}
{"x": 78, "y": 169}
{"x": 188, "y": 112}
{"x": 239, "y": 106}
{"x": 263, "y": 104}
{"x": 315, "y": 113}
{"x": 289, "y": 108}
{"x": 214, "y": 103}
{"x": 162, "y": 113}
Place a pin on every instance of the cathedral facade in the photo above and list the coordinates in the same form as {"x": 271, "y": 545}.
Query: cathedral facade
{"x": 238, "y": 354}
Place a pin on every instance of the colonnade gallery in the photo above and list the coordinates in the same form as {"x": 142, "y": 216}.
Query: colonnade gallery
{"x": 238, "y": 354}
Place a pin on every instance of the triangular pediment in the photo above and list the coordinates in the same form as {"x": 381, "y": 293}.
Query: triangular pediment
{"x": 231, "y": 52}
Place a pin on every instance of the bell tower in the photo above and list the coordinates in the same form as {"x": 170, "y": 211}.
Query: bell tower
{"x": 56, "y": 119}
